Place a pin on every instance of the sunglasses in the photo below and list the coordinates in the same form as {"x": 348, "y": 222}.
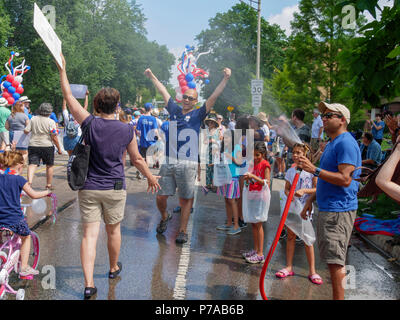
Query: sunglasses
{"x": 330, "y": 115}
{"x": 185, "y": 97}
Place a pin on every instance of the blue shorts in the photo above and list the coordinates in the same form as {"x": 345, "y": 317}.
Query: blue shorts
{"x": 69, "y": 144}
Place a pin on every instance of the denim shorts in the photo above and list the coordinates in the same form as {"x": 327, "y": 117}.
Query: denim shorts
{"x": 69, "y": 144}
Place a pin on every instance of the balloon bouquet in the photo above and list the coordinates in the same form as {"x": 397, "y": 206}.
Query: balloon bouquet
{"x": 11, "y": 87}
{"x": 189, "y": 72}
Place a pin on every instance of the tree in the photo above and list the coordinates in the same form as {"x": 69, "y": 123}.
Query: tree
{"x": 104, "y": 42}
{"x": 232, "y": 38}
{"x": 374, "y": 56}
{"x": 312, "y": 70}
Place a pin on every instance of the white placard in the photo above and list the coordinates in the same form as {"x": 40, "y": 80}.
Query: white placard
{"x": 46, "y": 32}
{"x": 21, "y": 139}
{"x": 256, "y": 101}
{"x": 257, "y": 87}
{"x": 79, "y": 90}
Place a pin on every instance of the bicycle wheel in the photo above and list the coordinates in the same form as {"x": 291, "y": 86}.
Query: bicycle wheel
{"x": 34, "y": 254}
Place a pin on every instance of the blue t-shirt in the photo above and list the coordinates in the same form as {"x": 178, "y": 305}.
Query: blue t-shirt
{"x": 53, "y": 117}
{"x": 10, "y": 199}
{"x": 145, "y": 125}
{"x": 187, "y": 128}
{"x": 332, "y": 198}
{"x": 233, "y": 167}
{"x": 378, "y": 134}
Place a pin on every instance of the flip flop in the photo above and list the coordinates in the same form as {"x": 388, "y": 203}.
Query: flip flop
{"x": 285, "y": 272}
{"x": 314, "y": 279}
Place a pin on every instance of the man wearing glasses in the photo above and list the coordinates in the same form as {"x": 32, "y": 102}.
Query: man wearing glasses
{"x": 336, "y": 192}
{"x": 182, "y": 151}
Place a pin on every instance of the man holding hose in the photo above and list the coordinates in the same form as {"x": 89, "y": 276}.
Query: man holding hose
{"x": 336, "y": 192}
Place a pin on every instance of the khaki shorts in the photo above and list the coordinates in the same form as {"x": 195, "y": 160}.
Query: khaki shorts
{"x": 106, "y": 205}
{"x": 181, "y": 176}
{"x": 333, "y": 235}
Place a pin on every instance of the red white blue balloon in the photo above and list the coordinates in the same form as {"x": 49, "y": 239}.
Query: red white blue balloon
{"x": 189, "y": 72}
{"x": 10, "y": 84}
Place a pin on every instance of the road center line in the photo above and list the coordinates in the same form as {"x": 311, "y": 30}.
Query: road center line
{"x": 180, "y": 282}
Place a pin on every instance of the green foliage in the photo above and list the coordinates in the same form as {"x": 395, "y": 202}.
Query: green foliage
{"x": 312, "y": 72}
{"x": 373, "y": 57}
{"x": 104, "y": 43}
{"x": 232, "y": 37}
{"x": 381, "y": 209}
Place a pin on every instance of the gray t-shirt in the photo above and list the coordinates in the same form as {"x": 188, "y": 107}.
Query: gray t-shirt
{"x": 17, "y": 121}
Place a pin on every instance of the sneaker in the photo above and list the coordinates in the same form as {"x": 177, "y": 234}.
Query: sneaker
{"x": 232, "y": 231}
{"x": 283, "y": 234}
{"x": 224, "y": 227}
{"x": 249, "y": 254}
{"x": 28, "y": 272}
{"x": 256, "y": 259}
{"x": 113, "y": 275}
{"x": 182, "y": 237}
{"x": 242, "y": 224}
{"x": 177, "y": 210}
{"x": 163, "y": 224}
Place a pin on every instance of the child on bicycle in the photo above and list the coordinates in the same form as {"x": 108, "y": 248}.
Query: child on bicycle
{"x": 11, "y": 216}
{"x": 305, "y": 187}
{"x": 257, "y": 178}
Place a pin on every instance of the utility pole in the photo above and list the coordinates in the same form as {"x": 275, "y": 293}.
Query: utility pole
{"x": 256, "y": 97}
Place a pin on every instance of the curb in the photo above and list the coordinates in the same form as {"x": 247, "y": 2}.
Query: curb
{"x": 379, "y": 243}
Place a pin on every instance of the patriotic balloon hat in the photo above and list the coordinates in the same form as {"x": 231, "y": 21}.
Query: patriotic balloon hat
{"x": 189, "y": 72}
{"x": 11, "y": 87}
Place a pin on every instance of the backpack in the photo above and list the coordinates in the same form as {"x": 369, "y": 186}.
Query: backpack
{"x": 78, "y": 164}
{"x": 71, "y": 129}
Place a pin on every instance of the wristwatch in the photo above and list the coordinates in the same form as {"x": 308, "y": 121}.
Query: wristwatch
{"x": 317, "y": 172}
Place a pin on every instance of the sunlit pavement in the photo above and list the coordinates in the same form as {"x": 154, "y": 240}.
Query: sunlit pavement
{"x": 208, "y": 267}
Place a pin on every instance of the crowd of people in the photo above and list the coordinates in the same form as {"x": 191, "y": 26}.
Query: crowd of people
{"x": 325, "y": 155}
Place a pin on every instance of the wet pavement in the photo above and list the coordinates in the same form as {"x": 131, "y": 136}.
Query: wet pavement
{"x": 208, "y": 267}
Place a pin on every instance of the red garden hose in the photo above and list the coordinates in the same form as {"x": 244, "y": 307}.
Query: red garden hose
{"x": 278, "y": 234}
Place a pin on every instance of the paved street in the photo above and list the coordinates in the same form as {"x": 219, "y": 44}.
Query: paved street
{"x": 208, "y": 267}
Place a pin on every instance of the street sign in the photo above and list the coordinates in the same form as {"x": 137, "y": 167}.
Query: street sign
{"x": 257, "y": 87}
{"x": 256, "y": 101}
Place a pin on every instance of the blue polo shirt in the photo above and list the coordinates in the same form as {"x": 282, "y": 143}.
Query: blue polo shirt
{"x": 185, "y": 128}
{"x": 145, "y": 125}
{"x": 332, "y": 198}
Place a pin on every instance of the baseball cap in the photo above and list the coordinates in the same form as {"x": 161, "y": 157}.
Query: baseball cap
{"x": 335, "y": 107}
{"x": 137, "y": 113}
{"x": 3, "y": 102}
{"x": 262, "y": 116}
{"x": 148, "y": 106}
{"x": 24, "y": 99}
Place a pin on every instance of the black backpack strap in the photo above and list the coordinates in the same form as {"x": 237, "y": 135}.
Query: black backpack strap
{"x": 85, "y": 131}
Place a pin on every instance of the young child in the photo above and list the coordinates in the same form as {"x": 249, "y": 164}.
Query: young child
{"x": 11, "y": 216}
{"x": 231, "y": 191}
{"x": 257, "y": 178}
{"x": 305, "y": 187}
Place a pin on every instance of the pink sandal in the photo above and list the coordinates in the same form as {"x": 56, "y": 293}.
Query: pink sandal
{"x": 285, "y": 273}
{"x": 314, "y": 279}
